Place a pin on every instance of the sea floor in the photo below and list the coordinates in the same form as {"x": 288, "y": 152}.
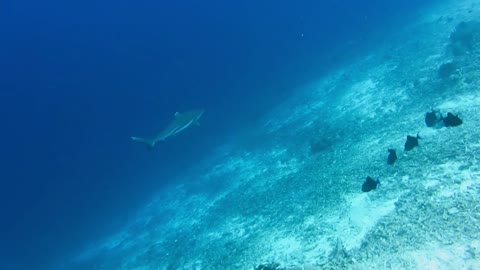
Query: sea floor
{"x": 287, "y": 195}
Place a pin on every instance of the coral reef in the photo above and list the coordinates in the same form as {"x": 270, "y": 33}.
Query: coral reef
{"x": 465, "y": 38}
{"x": 447, "y": 70}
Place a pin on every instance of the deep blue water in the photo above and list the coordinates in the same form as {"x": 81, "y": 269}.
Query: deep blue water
{"x": 78, "y": 78}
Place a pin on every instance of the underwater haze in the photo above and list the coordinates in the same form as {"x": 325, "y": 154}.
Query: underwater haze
{"x": 301, "y": 100}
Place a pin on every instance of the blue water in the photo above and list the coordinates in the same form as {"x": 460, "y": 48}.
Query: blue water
{"x": 77, "y": 79}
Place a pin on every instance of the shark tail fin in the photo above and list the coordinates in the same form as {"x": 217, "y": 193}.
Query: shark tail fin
{"x": 149, "y": 143}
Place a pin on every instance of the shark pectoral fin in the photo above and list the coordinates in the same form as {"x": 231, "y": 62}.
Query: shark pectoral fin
{"x": 150, "y": 143}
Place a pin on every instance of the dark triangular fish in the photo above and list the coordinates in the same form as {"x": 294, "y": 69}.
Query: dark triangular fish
{"x": 369, "y": 184}
{"x": 452, "y": 120}
{"x": 431, "y": 118}
{"x": 392, "y": 156}
{"x": 411, "y": 142}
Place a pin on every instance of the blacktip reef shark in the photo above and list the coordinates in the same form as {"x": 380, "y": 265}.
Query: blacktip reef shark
{"x": 180, "y": 122}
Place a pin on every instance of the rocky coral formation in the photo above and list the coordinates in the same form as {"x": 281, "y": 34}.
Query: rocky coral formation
{"x": 447, "y": 70}
{"x": 465, "y": 38}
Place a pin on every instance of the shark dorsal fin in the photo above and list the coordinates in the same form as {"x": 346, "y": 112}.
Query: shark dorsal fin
{"x": 177, "y": 113}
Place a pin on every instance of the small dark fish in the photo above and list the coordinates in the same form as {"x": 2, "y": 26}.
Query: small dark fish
{"x": 411, "y": 142}
{"x": 369, "y": 184}
{"x": 431, "y": 118}
{"x": 452, "y": 120}
{"x": 392, "y": 156}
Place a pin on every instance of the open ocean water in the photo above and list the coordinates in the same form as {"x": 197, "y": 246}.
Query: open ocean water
{"x": 297, "y": 105}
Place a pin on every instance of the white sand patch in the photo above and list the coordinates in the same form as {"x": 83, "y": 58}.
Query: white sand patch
{"x": 362, "y": 215}
{"x": 427, "y": 133}
{"x": 341, "y": 231}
